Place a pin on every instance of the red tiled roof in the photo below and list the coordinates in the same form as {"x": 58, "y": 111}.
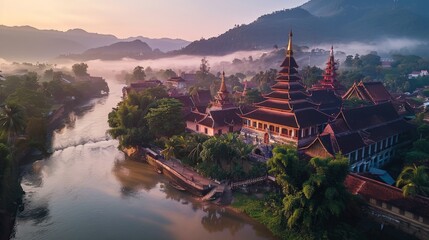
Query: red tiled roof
{"x": 275, "y": 104}
{"x": 226, "y": 117}
{"x": 220, "y": 118}
{"x": 292, "y": 86}
{"x": 194, "y": 116}
{"x": 289, "y": 62}
{"x": 369, "y": 188}
{"x": 202, "y": 98}
{"x": 367, "y": 116}
{"x": 291, "y": 78}
{"x": 326, "y": 98}
{"x": 288, "y": 71}
{"x": 310, "y": 117}
{"x": 374, "y": 92}
{"x": 377, "y": 91}
{"x": 185, "y": 100}
{"x": 281, "y": 118}
{"x": 287, "y": 95}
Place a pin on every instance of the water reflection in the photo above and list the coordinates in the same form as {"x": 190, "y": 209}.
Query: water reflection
{"x": 134, "y": 176}
{"x": 87, "y": 190}
{"x": 37, "y": 214}
{"x": 218, "y": 219}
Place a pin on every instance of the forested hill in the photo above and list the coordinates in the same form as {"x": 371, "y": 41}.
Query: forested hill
{"x": 324, "y": 21}
{"x": 134, "y": 49}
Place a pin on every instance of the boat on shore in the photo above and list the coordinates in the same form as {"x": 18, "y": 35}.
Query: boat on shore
{"x": 177, "y": 186}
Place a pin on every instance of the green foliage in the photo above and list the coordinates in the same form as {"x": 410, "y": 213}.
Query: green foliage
{"x": 36, "y": 103}
{"x": 265, "y": 79}
{"x": 138, "y": 74}
{"x": 252, "y": 96}
{"x": 290, "y": 172}
{"x": 80, "y": 69}
{"x": 12, "y": 121}
{"x": 137, "y": 120}
{"x": 268, "y": 211}
{"x": 315, "y": 197}
{"x": 355, "y": 102}
{"x": 414, "y": 181}
{"x": 165, "y": 119}
{"x": 311, "y": 75}
{"x": 223, "y": 157}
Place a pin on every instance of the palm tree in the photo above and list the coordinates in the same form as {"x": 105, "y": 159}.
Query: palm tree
{"x": 12, "y": 121}
{"x": 168, "y": 152}
{"x": 414, "y": 181}
{"x": 194, "y": 155}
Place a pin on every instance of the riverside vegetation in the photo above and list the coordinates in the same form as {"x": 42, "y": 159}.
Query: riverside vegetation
{"x": 27, "y": 103}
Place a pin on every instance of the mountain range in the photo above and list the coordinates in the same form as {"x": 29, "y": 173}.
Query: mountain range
{"x": 324, "y": 21}
{"x": 315, "y": 22}
{"x": 134, "y": 49}
{"x": 28, "y": 43}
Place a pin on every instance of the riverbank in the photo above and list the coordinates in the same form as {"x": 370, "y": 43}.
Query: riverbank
{"x": 24, "y": 156}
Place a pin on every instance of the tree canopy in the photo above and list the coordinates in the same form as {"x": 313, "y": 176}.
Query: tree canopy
{"x": 314, "y": 194}
{"x": 80, "y": 69}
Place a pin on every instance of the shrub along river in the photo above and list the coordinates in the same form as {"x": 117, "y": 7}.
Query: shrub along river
{"x": 87, "y": 189}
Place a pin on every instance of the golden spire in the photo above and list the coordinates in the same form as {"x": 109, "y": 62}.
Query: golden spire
{"x": 289, "y": 51}
{"x": 222, "y": 84}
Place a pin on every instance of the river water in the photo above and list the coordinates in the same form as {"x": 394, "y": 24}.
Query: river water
{"x": 87, "y": 189}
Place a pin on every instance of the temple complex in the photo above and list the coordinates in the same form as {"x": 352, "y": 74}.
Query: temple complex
{"x": 287, "y": 114}
{"x": 367, "y": 136}
{"x": 220, "y": 116}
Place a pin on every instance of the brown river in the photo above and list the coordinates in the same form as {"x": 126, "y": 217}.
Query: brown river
{"x": 87, "y": 189}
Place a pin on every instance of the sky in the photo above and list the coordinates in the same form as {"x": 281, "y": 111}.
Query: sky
{"x": 186, "y": 19}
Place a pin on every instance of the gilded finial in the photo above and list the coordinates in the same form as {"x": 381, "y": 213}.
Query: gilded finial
{"x": 222, "y": 83}
{"x": 289, "y": 51}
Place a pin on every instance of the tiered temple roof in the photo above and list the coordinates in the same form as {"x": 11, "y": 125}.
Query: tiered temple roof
{"x": 329, "y": 80}
{"x": 289, "y": 102}
{"x": 221, "y": 113}
{"x": 357, "y": 127}
{"x": 221, "y": 100}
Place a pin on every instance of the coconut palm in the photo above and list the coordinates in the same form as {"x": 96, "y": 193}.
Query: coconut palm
{"x": 12, "y": 121}
{"x": 414, "y": 181}
{"x": 194, "y": 155}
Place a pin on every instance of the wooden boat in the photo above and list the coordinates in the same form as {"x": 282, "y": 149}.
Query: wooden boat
{"x": 177, "y": 186}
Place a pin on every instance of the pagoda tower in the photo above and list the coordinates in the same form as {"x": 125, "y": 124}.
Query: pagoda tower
{"x": 329, "y": 80}
{"x": 287, "y": 115}
{"x": 221, "y": 100}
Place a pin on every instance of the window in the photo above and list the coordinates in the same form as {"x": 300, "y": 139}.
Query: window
{"x": 277, "y": 129}
{"x": 254, "y": 124}
{"x": 271, "y": 128}
{"x": 197, "y": 128}
{"x": 284, "y": 131}
{"x": 206, "y": 131}
{"x": 259, "y": 125}
{"x": 265, "y": 126}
